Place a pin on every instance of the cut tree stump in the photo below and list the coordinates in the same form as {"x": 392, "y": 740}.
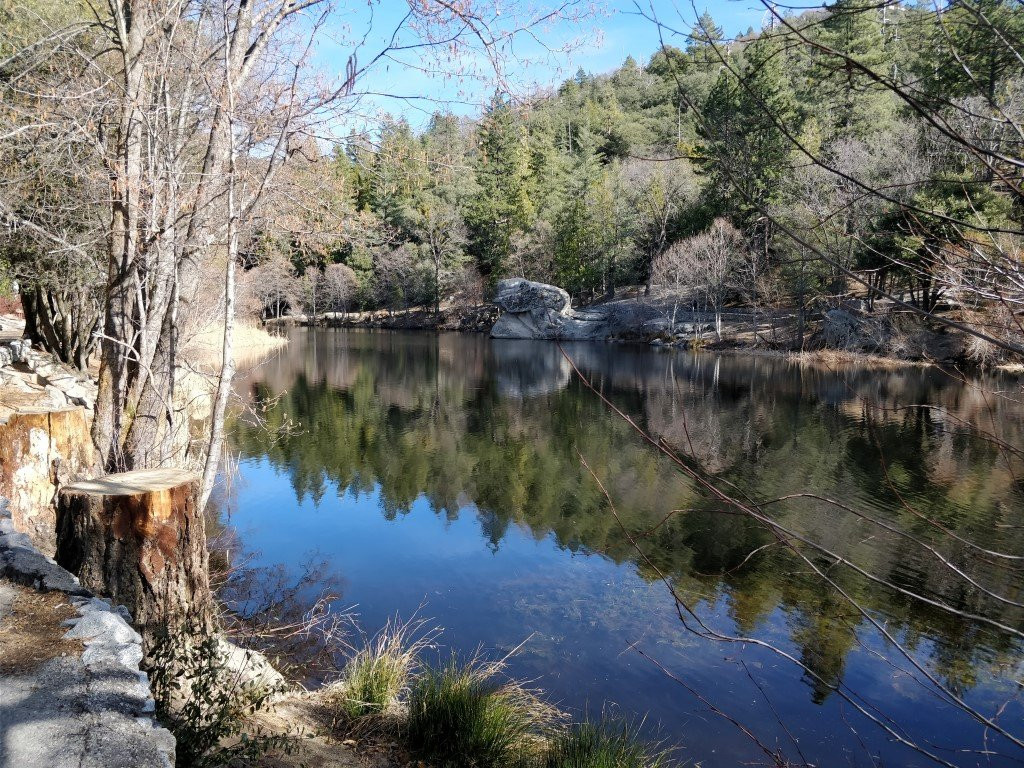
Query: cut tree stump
{"x": 39, "y": 452}
{"x": 138, "y": 538}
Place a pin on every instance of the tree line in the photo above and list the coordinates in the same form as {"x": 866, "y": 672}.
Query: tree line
{"x": 150, "y": 149}
{"x": 151, "y": 155}
{"x": 872, "y": 141}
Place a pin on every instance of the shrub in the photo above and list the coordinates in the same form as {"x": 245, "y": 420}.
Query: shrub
{"x": 208, "y": 705}
{"x": 463, "y": 716}
{"x": 609, "y": 743}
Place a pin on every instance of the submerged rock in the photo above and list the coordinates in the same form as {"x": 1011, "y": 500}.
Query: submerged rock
{"x": 532, "y": 310}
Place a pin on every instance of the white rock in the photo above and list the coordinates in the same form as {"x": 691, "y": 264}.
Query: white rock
{"x": 102, "y": 623}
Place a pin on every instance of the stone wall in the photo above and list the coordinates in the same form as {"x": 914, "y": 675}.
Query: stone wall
{"x": 92, "y": 710}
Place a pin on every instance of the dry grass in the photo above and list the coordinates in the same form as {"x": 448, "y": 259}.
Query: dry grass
{"x": 252, "y": 343}
{"x": 835, "y": 358}
{"x": 33, "y": 632}
{"x": 830, "y": 359}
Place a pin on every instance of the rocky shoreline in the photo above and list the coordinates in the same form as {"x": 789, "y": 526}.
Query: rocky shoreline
{"x": 523, "y": 309}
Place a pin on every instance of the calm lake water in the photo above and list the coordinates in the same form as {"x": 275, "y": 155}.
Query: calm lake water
{"x": 442, "y": 476}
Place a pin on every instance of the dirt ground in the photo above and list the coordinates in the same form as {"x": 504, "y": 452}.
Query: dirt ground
{"x": 323, "y": 745}
{"x": 32, "y": 629}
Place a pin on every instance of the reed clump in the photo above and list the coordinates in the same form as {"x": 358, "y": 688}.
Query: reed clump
{"x": 469, "y": 713}
{"x": 376, "y": 678}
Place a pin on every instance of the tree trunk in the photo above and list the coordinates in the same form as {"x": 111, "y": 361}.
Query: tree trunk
{"x": 437, "y": 284}
{"x": 139, "y": 538}
{"x": 227, "y": 366}
{"x": 28, "y": 306}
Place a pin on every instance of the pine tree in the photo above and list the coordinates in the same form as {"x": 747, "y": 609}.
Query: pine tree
{"x": 398, "y": 172}
{"x": 704, "y": 35}
{"x": 577, "y": 227}
{"x": 745, "y": 149}
{"x": 858, "y": 105}
{"x": 974, "y": 45}
{"x": 503, "y": 207}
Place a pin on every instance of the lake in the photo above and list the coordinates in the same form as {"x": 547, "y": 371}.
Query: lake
{"x": 443, "y": 476}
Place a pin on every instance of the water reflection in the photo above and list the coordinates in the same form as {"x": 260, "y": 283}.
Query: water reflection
{"x": 528, "y": 368}
{"x": 487, "y": 437}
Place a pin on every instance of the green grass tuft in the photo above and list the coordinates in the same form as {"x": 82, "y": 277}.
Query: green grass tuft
{"x": 609, "y": 743}
{"x": 463, "y": 716}
{"x": 378, "y": 673}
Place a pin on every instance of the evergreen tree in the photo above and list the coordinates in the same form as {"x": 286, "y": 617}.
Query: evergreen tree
{"x": 858, "y": 104}
{"x": 745, "y": 150}
{"x": 577, "y": 228}
{"x": 704, "y": 35}
{"x": 503, "y": 207}
{"x": 398, "y": 172}
{"x": 973, "y": 46}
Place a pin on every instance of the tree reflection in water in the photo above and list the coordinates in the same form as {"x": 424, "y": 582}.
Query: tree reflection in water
{"x": 498, "y": 427}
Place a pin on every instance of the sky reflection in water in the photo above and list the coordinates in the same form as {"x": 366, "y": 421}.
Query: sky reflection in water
{"x": 444, "y": 472}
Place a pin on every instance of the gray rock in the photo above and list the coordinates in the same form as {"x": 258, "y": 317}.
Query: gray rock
{"x": 116, "y": 688}
{"x": 517, "y": 295}
{"x": 7, "y": 597}
{"x": 122, "y": 742}
{"x": 124, "y": 613}
{"x": 19, "y": 350}
{"x": 121, "y": 654}
{"x": 15, "y": 539}
{"x": 63, "y": 715}
{"x": 30, "y": 568}
{"x": 532, "y": 310}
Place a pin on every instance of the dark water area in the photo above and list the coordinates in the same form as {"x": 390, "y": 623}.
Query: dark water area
{"x": 443, "y": 476}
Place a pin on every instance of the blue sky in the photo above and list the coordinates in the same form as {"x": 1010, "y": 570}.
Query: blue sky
{"x": 412, "y": 86}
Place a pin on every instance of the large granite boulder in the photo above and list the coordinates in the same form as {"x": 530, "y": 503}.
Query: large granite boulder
{"x": 532, "y": 310}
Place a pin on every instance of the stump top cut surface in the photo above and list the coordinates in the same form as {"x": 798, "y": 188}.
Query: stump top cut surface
{"x": 131, "y": 483}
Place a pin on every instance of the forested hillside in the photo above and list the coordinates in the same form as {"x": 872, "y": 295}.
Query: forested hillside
{"x": 829, "y": 141}
{"x": 849, "y": 153}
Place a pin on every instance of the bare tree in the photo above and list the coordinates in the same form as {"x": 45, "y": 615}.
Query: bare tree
{"x": 658, "y": 191}
{"x": 396, "y": 280}
{"x": 334, "y": 288}
{"x": 273, "y": 286}
{"x": 703, "y": 268}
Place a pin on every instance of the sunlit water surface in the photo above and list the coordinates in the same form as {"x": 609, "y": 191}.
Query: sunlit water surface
{"x": 443, "y": 476}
